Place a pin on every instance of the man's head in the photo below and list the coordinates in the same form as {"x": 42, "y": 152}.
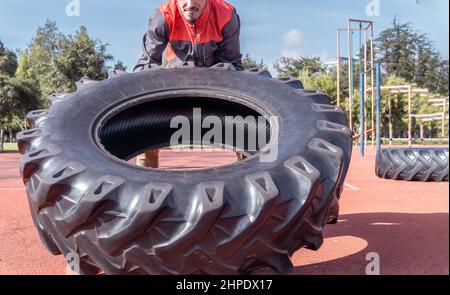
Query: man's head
{"x": 192, "y": 10}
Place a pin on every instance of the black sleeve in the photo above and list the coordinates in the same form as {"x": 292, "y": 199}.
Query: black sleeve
{"x": 154, "y": 42}
{"x": 230, "y": 49}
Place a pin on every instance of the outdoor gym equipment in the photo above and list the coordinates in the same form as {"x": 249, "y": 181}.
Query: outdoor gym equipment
{"x": 411, "y": 164}
{"x": 410, "y": 90}
{"x": 401, "y": 164}
{"x": 365, "y": 72}
{"x": 85, "y": 198}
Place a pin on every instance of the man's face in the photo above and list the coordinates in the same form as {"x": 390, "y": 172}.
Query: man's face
{"x": 191, "y": 9}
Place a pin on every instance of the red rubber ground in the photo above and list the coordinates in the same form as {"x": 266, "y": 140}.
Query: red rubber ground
{"x": 406, "y": 223}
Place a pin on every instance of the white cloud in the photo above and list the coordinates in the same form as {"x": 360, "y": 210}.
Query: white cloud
{"x": 292, "y": 41}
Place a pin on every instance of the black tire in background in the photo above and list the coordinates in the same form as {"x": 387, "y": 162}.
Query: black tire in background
{"x": 413, "y": 164}
{"x": 236, "y": 219}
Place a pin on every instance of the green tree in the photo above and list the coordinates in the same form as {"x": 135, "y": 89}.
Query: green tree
{"x": 249, "y": 63}
{"x": 17, "y": 98}
{"x": 344, "y": 83}
{"x": 56, "y": 61}
{"x": 53, "y": 62}
{"x": 292, "y": 67}
{"x": 443, "y": 78}
{"x": 8, "y": 61}
{"x": 120, "y": 66}
{"x": 319, "y": 81}
{"x": 23, "y": 66}
{"x": 427, "y": 64}
{"x": 80, "y": 56}
{"x": 37, "y": 62}
{"x": 405, "y": 53}
{"x": 397, "y": 47}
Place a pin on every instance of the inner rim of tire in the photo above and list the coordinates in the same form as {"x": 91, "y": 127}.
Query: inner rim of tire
{"x": 132, "y": 127}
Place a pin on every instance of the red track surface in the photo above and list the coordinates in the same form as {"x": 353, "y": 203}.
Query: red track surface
{"x": 407, "y": 224}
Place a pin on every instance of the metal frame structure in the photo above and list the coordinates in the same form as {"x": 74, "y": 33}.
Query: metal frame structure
{"x": 442, "y": 101}
{"x": 430, "y": 118}
{"x": 410, "y": 90}
{"x": 375, "y": 89}
{"x": 366, "y": 27}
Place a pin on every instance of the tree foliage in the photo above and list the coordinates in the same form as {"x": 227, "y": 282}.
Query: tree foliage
{"x": 320, "y": 81}
{"x": 8, "y": 61}
{"x": 80, "y": 56}
{"x": 52, "y": 63}
{"x": 249, "y": 63}
{"x": 56, "y": 61}
{"x": 292, "y": 67}
{"x": 120, "y": 66}
{"x": 17, "y": 98}
{"x": 408, "y": 54}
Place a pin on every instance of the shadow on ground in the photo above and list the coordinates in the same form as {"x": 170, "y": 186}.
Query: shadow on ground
{"x": 406, "y": 244}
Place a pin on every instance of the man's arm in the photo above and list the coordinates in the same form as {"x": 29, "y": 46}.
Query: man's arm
{"x": 230, "y": 49}
{"x": 154, "y": 42}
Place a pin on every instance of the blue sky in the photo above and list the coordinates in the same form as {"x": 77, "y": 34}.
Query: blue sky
{"x": 269, "y": 28}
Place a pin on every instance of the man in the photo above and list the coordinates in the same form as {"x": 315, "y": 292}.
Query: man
{"x": 205, "y": 32}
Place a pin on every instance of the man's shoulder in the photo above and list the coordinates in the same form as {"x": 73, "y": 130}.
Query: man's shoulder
{"x": 166, "y": 6}
{"x": 224, "y": 12}
{"x": 168, "y": 9}
{"x": 222, "y": 6}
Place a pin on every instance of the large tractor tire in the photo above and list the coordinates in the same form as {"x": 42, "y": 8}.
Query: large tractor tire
{"x": 237, "y": 219}
{"x": 413, "y": 164}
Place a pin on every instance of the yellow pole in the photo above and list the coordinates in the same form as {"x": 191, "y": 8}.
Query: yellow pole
{"x": 390, "y": 119}
{"x": 421, "y": 131}
{"x": 443, "y": 118}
